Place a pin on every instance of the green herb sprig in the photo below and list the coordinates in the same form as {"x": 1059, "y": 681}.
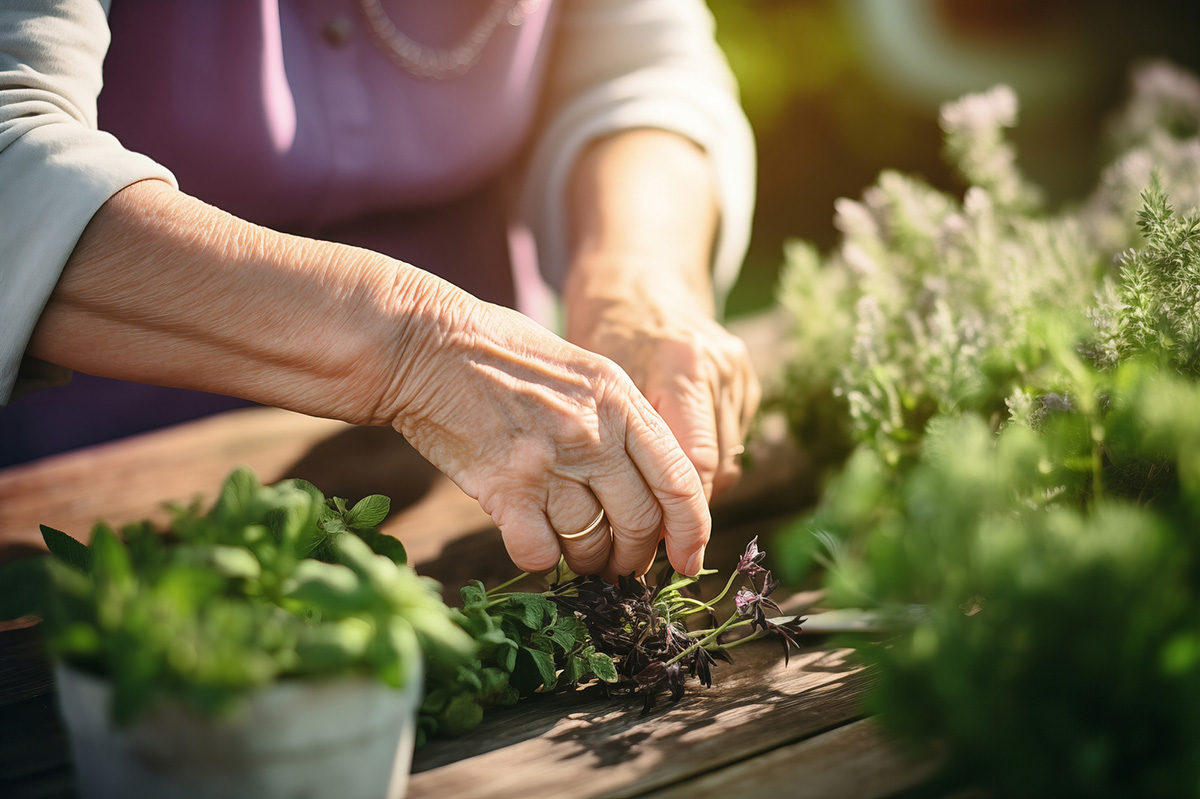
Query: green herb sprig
{"x": 630, "y": 638}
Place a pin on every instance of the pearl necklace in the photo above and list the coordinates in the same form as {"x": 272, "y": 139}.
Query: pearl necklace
{"x": 431, "y": 62}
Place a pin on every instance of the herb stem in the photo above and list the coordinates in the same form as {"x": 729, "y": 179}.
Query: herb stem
{"x": 709, "y": 636}
{"x": 725, "y": 590}
{"x": 508, "y": 583}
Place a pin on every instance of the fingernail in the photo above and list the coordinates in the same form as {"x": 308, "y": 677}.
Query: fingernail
{"x": 696, "y": 563}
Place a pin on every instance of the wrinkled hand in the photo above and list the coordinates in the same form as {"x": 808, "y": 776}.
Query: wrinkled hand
{"x": 544, "y": 434}
{"x": 696, "y": 374}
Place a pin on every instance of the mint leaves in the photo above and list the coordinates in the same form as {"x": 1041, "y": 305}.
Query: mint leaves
{"x": 272, "y": 582}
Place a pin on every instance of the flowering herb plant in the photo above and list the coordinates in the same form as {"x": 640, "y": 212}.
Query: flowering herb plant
{"x": 1022, "y": 387}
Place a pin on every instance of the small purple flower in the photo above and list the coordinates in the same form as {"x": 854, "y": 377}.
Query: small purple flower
{"x": 745, "y": 600}
{"x": 748, "y": 601}
{"x": 749, "y": 562}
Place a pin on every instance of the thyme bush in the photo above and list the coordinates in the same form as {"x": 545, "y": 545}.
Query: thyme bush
{"x": 1021, "y": 388}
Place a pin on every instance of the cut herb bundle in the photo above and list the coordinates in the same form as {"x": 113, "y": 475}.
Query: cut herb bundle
{"x": 630, "y": 638}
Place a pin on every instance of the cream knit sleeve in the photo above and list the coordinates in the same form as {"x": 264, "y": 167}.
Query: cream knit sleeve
{"x": 56, "y": 168}
{"x": 624, "y": 64}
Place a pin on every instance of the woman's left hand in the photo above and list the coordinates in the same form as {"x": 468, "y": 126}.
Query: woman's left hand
{"x": 695, "y": 373}
{"x": 638, "y": 290}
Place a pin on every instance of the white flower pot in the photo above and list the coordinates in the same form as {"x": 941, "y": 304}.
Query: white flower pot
{"x": 349, "y": 738}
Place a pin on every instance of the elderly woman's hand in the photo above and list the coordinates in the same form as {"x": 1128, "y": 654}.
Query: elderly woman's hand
{"x": 545, "y": 434}
{"x": 638, "y": 290}
{"x": 696, "y": 374}
{"x": 162, "y": 288}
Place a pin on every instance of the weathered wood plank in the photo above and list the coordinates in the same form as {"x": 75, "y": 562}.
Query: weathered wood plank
{"x": 853, "y": 761}
{"x": 565, "y": 746}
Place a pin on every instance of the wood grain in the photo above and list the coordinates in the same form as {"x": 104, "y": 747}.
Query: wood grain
{"x": 571, "y": 746}
{"x": 853, "y": 761}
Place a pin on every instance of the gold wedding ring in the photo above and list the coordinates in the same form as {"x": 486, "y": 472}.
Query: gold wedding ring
{"x": 591, "y": 528}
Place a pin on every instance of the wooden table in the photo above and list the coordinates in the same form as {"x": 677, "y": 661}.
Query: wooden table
{"x": 764, "y": 729}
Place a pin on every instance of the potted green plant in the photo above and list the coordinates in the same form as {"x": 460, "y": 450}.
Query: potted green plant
{"x": 272, "y": 646}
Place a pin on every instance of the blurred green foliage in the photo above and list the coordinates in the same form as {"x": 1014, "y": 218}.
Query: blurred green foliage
{"x": 1021, "y": 385}
{"x": 830, "y": 111}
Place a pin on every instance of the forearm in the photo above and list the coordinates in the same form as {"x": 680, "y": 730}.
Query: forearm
{"x": 639, "y": 290}
{"x": 643, "y": 216}
{"x": 164, "y": 289}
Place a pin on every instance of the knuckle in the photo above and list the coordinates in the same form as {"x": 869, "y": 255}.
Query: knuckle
{"x": 643, "y": 523}
{"x": 537, "y": 560}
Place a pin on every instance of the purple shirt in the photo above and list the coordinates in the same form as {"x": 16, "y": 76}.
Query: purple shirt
{"x": 287, "y": 113}
{"x": 290, "y": 114}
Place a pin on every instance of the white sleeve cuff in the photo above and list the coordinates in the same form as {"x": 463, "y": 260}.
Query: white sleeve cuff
{"x": 55, "y": 178}
{"x": 680, "y": 84}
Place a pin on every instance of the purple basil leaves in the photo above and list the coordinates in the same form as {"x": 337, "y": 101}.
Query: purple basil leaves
{"x": 642, "y": 628}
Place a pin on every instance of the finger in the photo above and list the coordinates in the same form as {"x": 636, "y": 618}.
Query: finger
{"x": 531, "y": 543}
{"x": 634, "y": 516}
{"x": 751, "y": 397}
{"x": 690, "y": 411}
{"x": 675, "y": 484}
{"x": 584, "y": 534}
{"x": 729, "y": 437}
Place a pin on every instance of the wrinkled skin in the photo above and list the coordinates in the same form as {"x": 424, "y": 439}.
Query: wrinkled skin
{"x": 537, "y": 429}
{"x": 696, "y": 374}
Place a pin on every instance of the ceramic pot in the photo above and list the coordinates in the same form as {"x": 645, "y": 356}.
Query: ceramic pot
{"x": 344, "y": 737}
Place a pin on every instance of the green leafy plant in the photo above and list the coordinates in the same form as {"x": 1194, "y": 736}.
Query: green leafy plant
{"x": 278, "y": 582}
{"x": 274, "y": 582}
{"x": 926, "y": 306}
{"x": 1036, "y": 503}
{"x": 1057, "y": 649}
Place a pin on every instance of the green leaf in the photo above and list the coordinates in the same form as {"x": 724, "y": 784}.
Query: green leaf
{"x": 476, "y": 621}
{"x": 395, "y": 652}
{"x": 461, "y": 715}
{"x": 67, "y": 549}
{"x": 532, "y": 610}
{"x": 469, "y": 677}
{"x": 541, "y": 643}
{"x": 383, "y": 544}
{"x": 328, "y": 648}
{"x": 435, "y": 700}
{"x": 575, "y": 670}
{"x": 473, "y": 594}
{"x": 507, "y": 657}
{"x": 535, "y": 669}
{"x": 333, "y": 588}
{"x": 237, "y": 495}
{"x": 227, "y": 561}
{"x": 369, "y": 511}
{"x": 602, "y": 666}
{"x": 494, "y": 684}
{"x": 566, "y": 632}
{"x": 110, "y": 558}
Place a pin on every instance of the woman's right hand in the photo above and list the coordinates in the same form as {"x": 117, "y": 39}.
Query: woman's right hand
{"x": 544, "y": 435}
{"x": 164, "y": 289}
